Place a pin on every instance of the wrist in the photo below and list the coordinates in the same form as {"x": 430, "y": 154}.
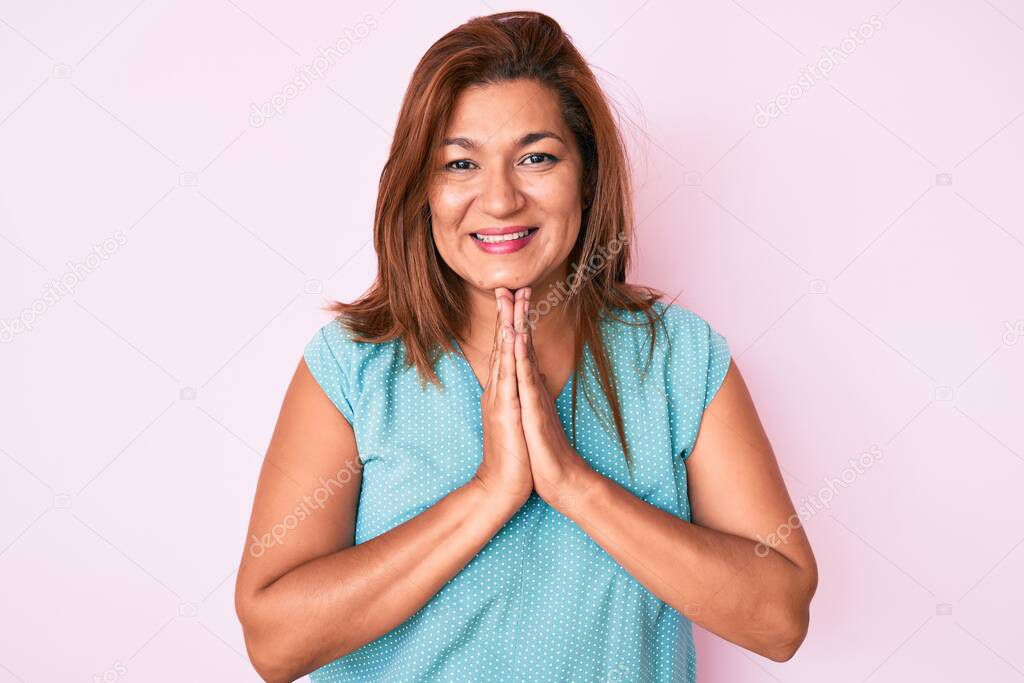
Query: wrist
{"x": 581, "y": 484}
{"x": 504, "y": 505}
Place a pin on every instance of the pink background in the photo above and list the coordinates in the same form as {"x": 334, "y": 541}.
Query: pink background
{"x": 869, "y": 300}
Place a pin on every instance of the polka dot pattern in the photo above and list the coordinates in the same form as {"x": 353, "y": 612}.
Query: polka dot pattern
{"x": 541, "y": 601}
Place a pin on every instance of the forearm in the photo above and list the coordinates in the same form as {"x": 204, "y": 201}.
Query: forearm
{"x": 334, "y": 604}
{"x": 744, "y": 592}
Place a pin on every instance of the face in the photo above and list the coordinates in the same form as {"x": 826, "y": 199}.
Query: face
{"x": 508, "y": 161}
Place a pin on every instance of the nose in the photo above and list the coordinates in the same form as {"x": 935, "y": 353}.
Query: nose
{"x": 500, "y": 196}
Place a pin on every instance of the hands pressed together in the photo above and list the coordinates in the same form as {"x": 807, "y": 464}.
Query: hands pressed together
{"x": 525, "y": 446}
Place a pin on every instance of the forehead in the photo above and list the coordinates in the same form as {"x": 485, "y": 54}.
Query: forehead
{"x": 500, "y": 113}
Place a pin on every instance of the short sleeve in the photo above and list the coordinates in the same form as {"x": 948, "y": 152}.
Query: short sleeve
{"x": 326, "y": 360}
{"x": 697, "y": 361}
{"x": 718, "y": 363}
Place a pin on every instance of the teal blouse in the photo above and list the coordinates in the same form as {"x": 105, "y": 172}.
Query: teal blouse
{"x": 541, "y": 601}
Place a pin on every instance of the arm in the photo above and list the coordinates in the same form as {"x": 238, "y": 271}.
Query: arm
{"x": 305, "y": 595}
{"x": 716, "y": 570}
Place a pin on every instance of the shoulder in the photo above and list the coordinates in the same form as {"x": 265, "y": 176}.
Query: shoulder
{"x": 698, "y": 353}
{"x": 675, "y": 323}
{"x": 330, "y": 350}
{"x": 692, "y": 359}
{"x": 334, "y": 340}
{"x": 334, "y": 335}
{"x": 682, "y": 321}
{"x": 341, "y": 363}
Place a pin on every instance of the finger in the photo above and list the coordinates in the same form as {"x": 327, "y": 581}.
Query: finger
{"x": 496, "y": 350}
{"x": 507, "y": 308}
{"x": 531, "y": 352}
{"x": 507, "y": 389}
{"x": 526, "y": 368}
{"x": 520, "y": 310}
{"x": 520, "y": 326}
{"x": 520, "y": 322}
{"x": 492, "y": 363}
{"x": 540, "y": 379}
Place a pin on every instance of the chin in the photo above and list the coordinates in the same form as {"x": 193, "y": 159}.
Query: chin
{"x": 491, "y": 282}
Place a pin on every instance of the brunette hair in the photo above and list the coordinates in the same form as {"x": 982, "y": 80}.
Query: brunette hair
{"x": 416, "y": 297}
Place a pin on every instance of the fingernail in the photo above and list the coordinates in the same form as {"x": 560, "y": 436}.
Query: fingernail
{"x": 499, "y": 305}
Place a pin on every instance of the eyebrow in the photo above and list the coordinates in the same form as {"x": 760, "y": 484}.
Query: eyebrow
{"x": 528, "y": 139}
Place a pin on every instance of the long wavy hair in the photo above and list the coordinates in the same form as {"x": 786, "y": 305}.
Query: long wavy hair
{"x": 416, "y": 296}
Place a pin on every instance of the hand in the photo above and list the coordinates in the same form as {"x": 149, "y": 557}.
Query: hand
{"x": 504, "y": 471}
{"x": 559, "y": 473}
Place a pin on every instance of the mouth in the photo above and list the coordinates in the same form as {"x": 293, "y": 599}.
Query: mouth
{"x": 507, "y": 237}
{"x": 503, "y": 243}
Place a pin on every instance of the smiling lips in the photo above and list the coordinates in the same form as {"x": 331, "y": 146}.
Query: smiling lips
{"x": 504, "y": 240}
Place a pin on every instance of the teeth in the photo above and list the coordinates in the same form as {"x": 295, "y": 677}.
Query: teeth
{"x": 502, "y": 238}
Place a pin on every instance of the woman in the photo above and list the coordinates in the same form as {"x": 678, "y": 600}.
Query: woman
{"x": 488, "y": 468}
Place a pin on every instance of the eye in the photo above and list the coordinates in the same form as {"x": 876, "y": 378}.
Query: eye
{"x": 543, "y": 156}
{"x": 450, "y": 166}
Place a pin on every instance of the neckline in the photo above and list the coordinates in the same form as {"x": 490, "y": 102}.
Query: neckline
{"x": 463, "y": 361}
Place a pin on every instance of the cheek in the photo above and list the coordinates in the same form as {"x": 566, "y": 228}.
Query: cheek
{"x": 449, "y": 199}
{"x": 559, "y": 194}
{"x": 448, "y": 210}
{"x": 562, "y": 205}
{"x": 445, "y": 214}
